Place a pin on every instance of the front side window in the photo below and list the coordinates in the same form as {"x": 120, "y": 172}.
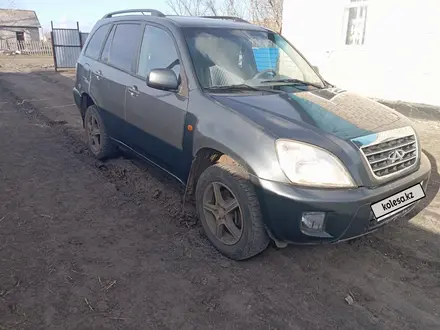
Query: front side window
{"x": 356, "y": 22}
{"x": 124, "y": 46}
{"x": 224, "y": 57}
{"x": 95, "y": 44}
{"x": 157, "y": 52}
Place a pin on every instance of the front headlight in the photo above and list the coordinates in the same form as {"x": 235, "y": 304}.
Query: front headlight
{"x": 309, "y": 165}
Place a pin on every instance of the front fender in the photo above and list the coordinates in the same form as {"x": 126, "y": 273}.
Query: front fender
{"x": 232, "y": 134}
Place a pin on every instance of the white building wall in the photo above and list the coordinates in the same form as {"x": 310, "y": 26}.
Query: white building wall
{"x": 9, "y": 33}
{"x": 34, "y": 34}
{"x": 400, "y": 58}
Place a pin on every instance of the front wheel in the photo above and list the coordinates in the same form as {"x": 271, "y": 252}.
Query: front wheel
{"x": 230, "y": 213}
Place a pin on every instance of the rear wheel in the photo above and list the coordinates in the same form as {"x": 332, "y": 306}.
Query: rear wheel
{"x": 97, "y": 139}
{"x": 229, "y": 211}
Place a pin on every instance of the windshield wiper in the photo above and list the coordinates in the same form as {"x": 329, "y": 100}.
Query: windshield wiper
{"x": 292, "y": 82}
{"x": 240, "y": 87}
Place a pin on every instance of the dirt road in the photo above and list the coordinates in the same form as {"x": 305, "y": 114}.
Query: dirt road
{"x": 91, "y": 245}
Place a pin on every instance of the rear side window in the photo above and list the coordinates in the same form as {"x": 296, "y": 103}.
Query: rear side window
{"x": 95, "y": 43}
{"x": 157, "y": 52}
{"x": 124, "y": 46}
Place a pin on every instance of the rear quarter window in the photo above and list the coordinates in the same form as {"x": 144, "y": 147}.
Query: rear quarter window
{"x": 105, "y": 55}
{"x": 95, "y": 44}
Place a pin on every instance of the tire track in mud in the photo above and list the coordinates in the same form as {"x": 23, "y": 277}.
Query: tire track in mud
{"x": 139, "y": 181}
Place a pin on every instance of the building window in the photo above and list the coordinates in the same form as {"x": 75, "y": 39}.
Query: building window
{"x": 356, "y": 22}
{"x": 19, "y": 36}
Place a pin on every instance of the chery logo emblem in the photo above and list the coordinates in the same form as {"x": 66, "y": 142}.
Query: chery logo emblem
{"x": 396, "y": 155}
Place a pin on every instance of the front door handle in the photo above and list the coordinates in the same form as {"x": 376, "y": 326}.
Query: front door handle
{"x": 134, "y": 91}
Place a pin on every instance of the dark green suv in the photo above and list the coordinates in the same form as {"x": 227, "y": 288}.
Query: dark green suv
{"x": 268, "y": 149}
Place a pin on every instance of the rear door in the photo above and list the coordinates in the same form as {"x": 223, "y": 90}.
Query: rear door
{"x": 88, "y": 62}
{"x": 114, "y": 73}
{"x": 98, "y": 83}
{"x": 157, "y": 117}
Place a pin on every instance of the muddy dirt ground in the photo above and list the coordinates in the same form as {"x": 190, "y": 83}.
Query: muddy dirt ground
{"x": 91, "y": 245}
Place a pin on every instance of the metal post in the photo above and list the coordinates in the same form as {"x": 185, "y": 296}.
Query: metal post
{"x": 79, "y": 35}
{"x": 53, "y": 47}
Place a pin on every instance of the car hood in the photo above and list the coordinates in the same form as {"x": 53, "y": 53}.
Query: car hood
{"x": 326, "y": 111}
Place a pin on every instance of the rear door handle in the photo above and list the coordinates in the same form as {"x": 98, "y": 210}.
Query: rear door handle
{"x": 98, "y": 74}
{"x": 134, "y": 91}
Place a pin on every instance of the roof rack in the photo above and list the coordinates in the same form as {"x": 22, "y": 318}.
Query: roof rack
{"x": 229, "y": 18}
{"x": 152, "y": 12}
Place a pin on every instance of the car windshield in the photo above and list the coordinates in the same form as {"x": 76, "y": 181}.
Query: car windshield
{"x": 231, "y": 57}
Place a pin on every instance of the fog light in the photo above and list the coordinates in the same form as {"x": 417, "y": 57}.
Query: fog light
{"x": 313, "y": 221}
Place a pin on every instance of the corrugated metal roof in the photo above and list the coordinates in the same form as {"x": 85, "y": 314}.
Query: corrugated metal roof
{"x": 18, "y": 17}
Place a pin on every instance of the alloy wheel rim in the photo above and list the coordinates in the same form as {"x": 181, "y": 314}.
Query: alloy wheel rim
{"x": 94, "y": 133}
{"x": 222, "y": 213}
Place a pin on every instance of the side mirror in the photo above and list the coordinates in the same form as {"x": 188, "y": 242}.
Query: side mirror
{"x": 164, "y": 79}
{"x": 315, "y": 68}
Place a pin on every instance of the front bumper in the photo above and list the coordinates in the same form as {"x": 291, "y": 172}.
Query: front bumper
{"x": 348, "y": 211}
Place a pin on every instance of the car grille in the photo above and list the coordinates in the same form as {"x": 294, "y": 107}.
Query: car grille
{"x": 392, "y": 156}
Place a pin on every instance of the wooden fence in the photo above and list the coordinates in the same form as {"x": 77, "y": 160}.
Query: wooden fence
{"x": 27, "y": 47}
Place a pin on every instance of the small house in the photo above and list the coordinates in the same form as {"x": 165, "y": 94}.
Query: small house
{"x": 19, "y": 25}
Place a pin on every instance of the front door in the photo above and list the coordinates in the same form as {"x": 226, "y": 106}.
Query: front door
{"x": 157, "y": 117}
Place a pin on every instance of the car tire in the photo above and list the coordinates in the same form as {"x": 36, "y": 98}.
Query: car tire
{"x": 98, "y": 141}
{"x": 233, "y": 183}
